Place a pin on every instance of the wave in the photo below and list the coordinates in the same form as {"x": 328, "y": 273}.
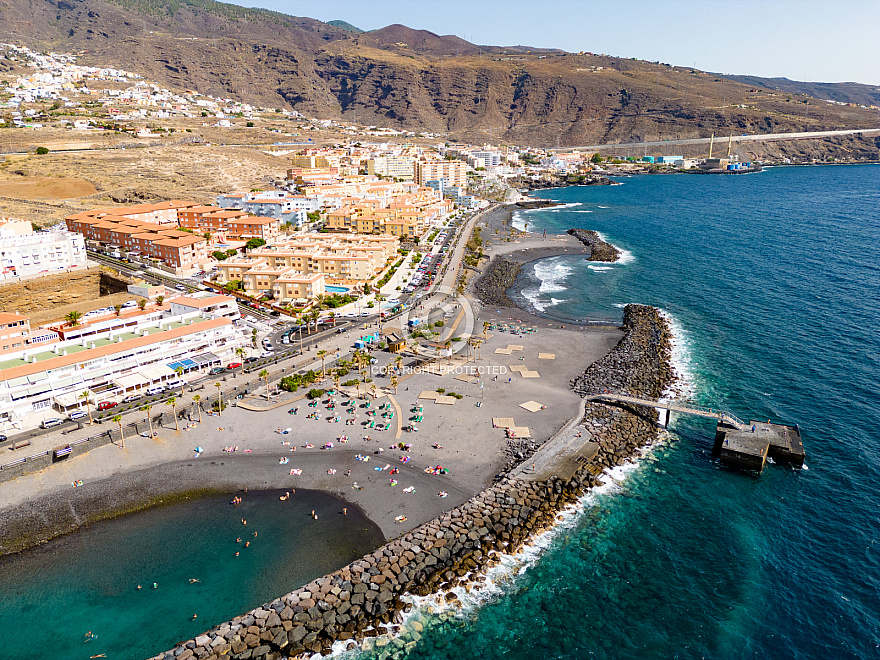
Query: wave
{"x": 684, "y": 384}
{"x": 581, "y": 211}
{"x": 599, "y": 268}
{"x": 626, "y": 257}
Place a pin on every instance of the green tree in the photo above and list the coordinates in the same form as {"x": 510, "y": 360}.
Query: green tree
{"x": 197, "y": 400}
{"x": 219, "y": 399}
{"x": 146, "y": 408}
{"x": 72, "y": 318}
{"x": 42, "y": 151}
{"x": 142, "y": 303}
{"x": 322, "y": 354}
{"x": 173, "y": 403}
{"x": 118, "y": 309}
{"x": 264, "y": 374}
{"x": 596, "y": 158}
{"x": 160, "y": 300}
{"x": 87, "y": 397}
{"x": 118, "y": 420}
{"x": 254, "y": 243}
{"x": 179, "y": 371}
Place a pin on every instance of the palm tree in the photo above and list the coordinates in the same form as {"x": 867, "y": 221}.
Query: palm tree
{"x": 87, "y": 396}
{"x": 173, "y": 403}
{"x": 485, "y": 328}
{"x": 219, "y": 399}
{"x": 336, "y": 379}
{"x": 118, "y": 309}
{"x": 254, "y": 338}
{"x": 160, "y": 300}
{"x": 73, "y": 318}
{"x": 197, "y": 400}
{"x": 265, "y": 375}
{"x": 142, "y": 303}
{"x": 394, "y": 382}
{"x": 397, "y": 362}
{"x": 146, "y": 408}
{"x": 373, "y": 389}
{"x": 240, "y": 352}
{"x": 448, "y": 346}
{"x": 333, "y": 316}
{"x": 118, "y": 420}
{"x": 322, "y": 354}
{"x": 179, "y": 371}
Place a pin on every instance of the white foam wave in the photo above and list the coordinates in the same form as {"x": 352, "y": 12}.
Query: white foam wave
{"x": 626, "y": 257}
{"x": 684, "y": 384}
{"x": 582, "y": 211}
{"x": 599, "y": 268}
{"x": 603, "y": 207}
{"x": 551, "y": 273}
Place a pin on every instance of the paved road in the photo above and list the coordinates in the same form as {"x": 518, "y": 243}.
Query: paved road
{"x": 722, "y": 139}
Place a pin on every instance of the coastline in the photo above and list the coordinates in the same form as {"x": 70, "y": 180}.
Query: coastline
{"x": 448, "y": 546}
{"x": 369, "y": 598}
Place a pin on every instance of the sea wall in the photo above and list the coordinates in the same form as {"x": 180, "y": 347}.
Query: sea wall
{"x": 499, "y": 276}
{"x": 366, "y": 599}
{"x": 599, "y": 249}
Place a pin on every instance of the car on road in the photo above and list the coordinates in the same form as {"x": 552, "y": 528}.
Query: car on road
{"x": 106, "y": 405}
{"x": 131, "y": 398}
{"x": 216, "y": 371}
{"x": 275, "y": 313}
{"x": 52, "y": 421}
{"x": 77, "y": 414}
{"x": 250, "y": 360}
{"x": 267, "y": 354}
{"x": 158, "y": 389}
{"x": 233, "y": 365}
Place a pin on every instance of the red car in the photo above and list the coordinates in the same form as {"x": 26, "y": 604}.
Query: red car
{"x": 106, "y": 405}
{"x": 233, "y": 365}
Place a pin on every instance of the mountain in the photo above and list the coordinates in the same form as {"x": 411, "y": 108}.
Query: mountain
{"x": 406, "y": 78}
{"x": 348, "y": 27}
{"x": 842, "y": 92}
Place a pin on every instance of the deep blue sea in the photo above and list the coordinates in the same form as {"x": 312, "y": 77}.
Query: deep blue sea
{"x": 773, "y": 286}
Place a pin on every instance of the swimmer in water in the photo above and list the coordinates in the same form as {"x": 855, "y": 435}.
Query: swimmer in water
{"x": 155, "y": 586}
{"x": 247, "y": 544}
{"x": 193, "y": 580}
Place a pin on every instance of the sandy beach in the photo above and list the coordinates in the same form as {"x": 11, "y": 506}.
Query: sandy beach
{"x": 459, "y": 437}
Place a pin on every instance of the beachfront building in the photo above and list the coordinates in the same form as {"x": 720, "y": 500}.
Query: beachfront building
{"x": 38, "y": 383}
{"x": 452, "y": 172}
{"x": 24, "y": 252}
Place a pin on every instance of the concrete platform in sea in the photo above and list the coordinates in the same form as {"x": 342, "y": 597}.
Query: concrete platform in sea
{"x": 749, "y": 447}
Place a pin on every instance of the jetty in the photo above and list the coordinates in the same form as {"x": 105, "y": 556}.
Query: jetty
{"x": 738, "y": 444}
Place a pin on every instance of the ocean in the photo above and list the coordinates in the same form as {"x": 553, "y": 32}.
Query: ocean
{"x": 772, "y": 286}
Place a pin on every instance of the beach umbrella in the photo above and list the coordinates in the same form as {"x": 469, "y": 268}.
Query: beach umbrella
{"x": 199, "y": 450}
{"x": 288, "y": 429}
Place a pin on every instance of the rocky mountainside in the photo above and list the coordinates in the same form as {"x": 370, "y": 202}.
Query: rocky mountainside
{"x": 842, "y": 92}
{"x": 400, "y": 77}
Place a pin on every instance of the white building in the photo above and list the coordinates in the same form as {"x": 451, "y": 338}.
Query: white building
{"x": 24, "y": 252}
{"x": 41, "y": 383}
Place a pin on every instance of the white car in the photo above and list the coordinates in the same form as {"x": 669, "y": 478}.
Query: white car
{"x": 267, "y": 354}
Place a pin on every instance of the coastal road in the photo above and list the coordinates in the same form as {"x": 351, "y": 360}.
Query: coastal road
{"x": 722, "y": 139}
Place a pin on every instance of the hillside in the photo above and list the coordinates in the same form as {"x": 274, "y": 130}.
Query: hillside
{"x": 400, "y": 77}
{"x": 842, "y": 92}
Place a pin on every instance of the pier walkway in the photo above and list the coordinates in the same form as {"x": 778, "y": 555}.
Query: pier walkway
{"x": 671, "y": 406}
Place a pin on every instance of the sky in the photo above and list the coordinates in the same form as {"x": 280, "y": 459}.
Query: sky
{"x": 810, "y": 40}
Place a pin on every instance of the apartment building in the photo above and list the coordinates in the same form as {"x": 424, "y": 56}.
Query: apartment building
{"x": 177, "y": 250}
{"x": 397, "y": 167}
{"x": 205, "y": 302}
{"x": 453, "y": 172}
{"x": 16, "y": 334}
{"x": 41, "y": 382}
{"x": 24, "y": 252}
{"x": 280, "y": 205}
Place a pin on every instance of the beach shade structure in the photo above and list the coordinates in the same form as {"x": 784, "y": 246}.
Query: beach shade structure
{"x": 546, "y": 356}
{"x": 532, "y": 406}
{"x": 503, "y": 351}
{"x": 529, "y": 374}
{"x": 464, "y": 378}
{"x": 514, "y": 347}
{"x": 445, "y": 400}
{"x": 518, "y": 432}
{"x": 518, "y": 368}
{"x": 502, "y": 422}
{"x": 427, "y": 394}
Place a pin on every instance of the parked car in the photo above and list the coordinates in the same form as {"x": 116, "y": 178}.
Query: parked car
{"x": 250, "y": 360}
{"x": 267, "y": 354}
{"x": 131, "y": 398}
{"x": 106, "y": 405}
{"x": 157, "y": 389}
{"x": 77, "y": 414}
{"x": 52, "y": 421}
{"x": 216, "y": 371}
{"x": 233, "y": 365}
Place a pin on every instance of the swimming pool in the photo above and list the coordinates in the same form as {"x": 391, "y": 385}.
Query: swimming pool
{"x": 336, "y": 289}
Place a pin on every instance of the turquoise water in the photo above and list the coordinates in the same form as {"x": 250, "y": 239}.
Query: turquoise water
{"x": 772, "y": 282}
{"x": 336, "y": 289}
{"x": 51, "y": 597}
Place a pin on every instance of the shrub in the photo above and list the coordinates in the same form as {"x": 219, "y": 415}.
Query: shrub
{"x": 351, "y": 383}
{"x": 315, "y": 394}
{"x": 440, "y": 390}
{"x": 42, "y": 151}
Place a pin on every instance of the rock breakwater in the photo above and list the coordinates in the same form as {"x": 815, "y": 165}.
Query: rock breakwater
{"x": 499, "y": 276}
{"x": 367, "y": 598}
{"x": 599, "y": 249}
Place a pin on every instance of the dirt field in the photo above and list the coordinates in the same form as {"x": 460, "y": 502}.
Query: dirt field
{"x": 37, "y": 187}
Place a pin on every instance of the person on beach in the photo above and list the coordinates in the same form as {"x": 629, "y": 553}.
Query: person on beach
{"x": 344, "y": 511}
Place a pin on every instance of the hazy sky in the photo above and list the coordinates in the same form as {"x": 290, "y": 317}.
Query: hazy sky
{"x": 813, "y": 40}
